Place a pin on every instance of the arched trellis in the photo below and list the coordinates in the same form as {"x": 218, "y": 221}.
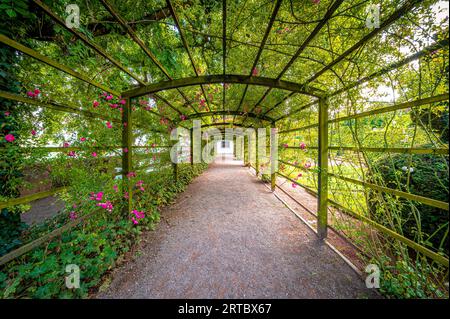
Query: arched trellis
{"x": 270, "y": 83}
{"x": 224, "y": 78}
{"x": 235, "y": 113}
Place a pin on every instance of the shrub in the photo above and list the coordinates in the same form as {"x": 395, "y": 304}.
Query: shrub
{"x": 428, "y": 178}
{"x": 96, "y": 246}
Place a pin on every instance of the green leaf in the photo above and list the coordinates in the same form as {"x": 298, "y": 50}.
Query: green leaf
{"x": 11, "y": 13}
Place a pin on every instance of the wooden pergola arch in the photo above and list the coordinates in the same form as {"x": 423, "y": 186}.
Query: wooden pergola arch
{"x": 235, "y": 113}
{"x": 306, "y": 88}
{"x": 224, "y": 78}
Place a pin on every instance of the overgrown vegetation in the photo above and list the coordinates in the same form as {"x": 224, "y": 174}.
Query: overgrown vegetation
{"x": 96, "y": 246}
{"x": 87, "y": 150}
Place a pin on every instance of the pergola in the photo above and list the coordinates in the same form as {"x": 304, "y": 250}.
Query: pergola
{"x": 266, "y": 118}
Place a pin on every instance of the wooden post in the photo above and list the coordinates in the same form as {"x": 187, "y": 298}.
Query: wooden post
{"x": 322, "y": 216}
{"x": 273, "y": 156}
{"x": 127, "y": 153}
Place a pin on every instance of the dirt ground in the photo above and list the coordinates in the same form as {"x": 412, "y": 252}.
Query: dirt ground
{"x": 228, "y": 236}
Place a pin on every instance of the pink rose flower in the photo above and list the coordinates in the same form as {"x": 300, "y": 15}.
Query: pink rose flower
{"x": 9, "y": 138}
{"x": 73, "y": 215}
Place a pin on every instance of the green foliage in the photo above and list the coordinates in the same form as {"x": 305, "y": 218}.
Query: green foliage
{"x": 10, "y": 154}
{"x": 11, "y": 228}
{"x": 96, "y": 246}
{"x": 429, "y": 178}
{"x": 400, "y": 279}
{"x": 14, "y": 9}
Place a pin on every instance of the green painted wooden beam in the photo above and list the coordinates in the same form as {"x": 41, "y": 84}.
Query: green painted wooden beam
{"x": 436, "y": 46}
{"x": 336, "y": 4}
{"x": 417, "y": 198}
{"x": 36, "y": 55}
{"x": 383, "y": 229}
{"x": 427, "y": 252}
{"x": 220, "y": 78}
{"x": 159, "y": 97}
{"x": 402, "y": 150}
{"x": 261, "y": 48}
{"x": 133, "y": 35}
{"x": 288, "y": 96}
{"x": 304, "y": 107}
{"x": 41, "y": 240}
{"x": 299, "y": 184}
{"x": 86, "y": 41}
{"x": 29, "y": 198}
{"x": 56, "y": 106}
{"x": 141, "y": 44}
{"x": 231, "y": 124}
{"x": 203, "y": 114}
{"x": 186, "y": 46}
{"x": 224, "y": 49}
{"x": 67, "y": 149}
{"x": 322, "y": 201}
{"x": 401, "y": 106}
{"x": 403, "y": 10}
{"x": 293, "y": 165}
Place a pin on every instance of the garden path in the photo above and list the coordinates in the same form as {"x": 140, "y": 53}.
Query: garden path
{"x": 227, "y": 236}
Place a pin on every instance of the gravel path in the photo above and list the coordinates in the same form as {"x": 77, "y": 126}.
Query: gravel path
{"x": 227, "y": 236}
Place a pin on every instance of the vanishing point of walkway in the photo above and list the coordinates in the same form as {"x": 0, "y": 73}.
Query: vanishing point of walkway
{"x": 227, "y": 236}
